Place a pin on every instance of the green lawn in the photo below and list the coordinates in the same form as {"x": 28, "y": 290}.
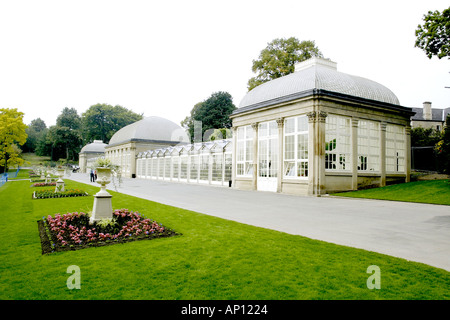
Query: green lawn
{"x": 213, "y": 259}
{"x": 431, "y": 191}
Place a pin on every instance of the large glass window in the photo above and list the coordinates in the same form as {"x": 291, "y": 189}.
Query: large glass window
{"x": 183, "y": 166}
{"x": 161, "y": 167}
{"x": 149, "y": 167}
{"x": 154, "y": 167}
{"x": 175, "y": 167}
{"x": 368, "y": 146}
{"x": 268, "y": 149}
{"x": 193, "y": 173}
{"x": 296, "y": 147}
{"x": 395, "y": 148}
{"x": 337, "y": 143}
{"x": 228, "y": 166}
{"x": 167, "y": 165}
{"x": 217, "y": 166}
{"x": 244, "y": 151}
{"x": 204, "y": 165}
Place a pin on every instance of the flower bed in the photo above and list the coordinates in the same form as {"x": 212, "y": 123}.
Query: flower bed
{"x": 50, "y": 193}
{"x": 73, "y": 231}
{"x": 44, "y": 184}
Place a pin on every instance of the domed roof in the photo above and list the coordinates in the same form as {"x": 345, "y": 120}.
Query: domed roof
{"x": 316, "y": 74}
{"x": 95, "y": 147}
{"x": 155, "y": 129}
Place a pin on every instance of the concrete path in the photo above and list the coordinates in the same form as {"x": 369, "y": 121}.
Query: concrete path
{"x": 416, "y": 232}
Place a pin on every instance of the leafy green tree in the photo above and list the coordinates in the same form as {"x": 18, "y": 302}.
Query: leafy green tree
{"x": 69, "y": 118}
{"x": 12, "y": 134}
{"x": 101, "y": 121}
{"x": 213, "y": 113}
{"x": 36, "y": 131}
{"x": 63, "y": 143}
{"x": 421, "y": 137}
{"x": 443, "y": 148}
{"x": 433, "y": 36}
{"x": 279, "y": 58}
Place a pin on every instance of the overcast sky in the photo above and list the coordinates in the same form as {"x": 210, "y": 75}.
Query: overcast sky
{"x": 160, "y": 58}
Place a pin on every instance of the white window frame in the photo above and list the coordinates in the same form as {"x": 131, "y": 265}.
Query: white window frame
{"x": 395, "y": 148}
{"x": 294, "y": 161}
{"x": 244, "y": 151}
{"x": 338, "y": 144}
{"x": 369, "y": 146}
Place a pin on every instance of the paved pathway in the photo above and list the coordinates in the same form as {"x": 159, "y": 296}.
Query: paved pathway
{"x": 416, "y": 232}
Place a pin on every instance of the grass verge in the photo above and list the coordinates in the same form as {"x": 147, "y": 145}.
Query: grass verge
{"x": 430, "y": 191}
{"x": 213, "y": 259}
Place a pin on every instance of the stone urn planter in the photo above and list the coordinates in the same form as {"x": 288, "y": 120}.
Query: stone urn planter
{"x": 102, "y": 199}
{"x": 103, "y": 178}
{"x": 60, "y": 182}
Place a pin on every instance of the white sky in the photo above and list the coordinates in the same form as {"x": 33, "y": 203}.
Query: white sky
{"x": 162, "y": 57}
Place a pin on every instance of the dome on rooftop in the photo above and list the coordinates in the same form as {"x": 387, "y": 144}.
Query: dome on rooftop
{"x": 95, "y": 147}
{"x": 154, "y": 129}
{"x": 316, "y": 74}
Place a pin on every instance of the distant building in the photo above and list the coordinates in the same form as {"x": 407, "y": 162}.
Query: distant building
{"x": 89, "y": 153}
{"x": 147, "y": 134}
{"x": 429, "y": 118}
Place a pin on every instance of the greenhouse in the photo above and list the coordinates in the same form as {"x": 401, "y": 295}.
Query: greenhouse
{"x": 205, "y": 163}
{"x": 312, "y": 132}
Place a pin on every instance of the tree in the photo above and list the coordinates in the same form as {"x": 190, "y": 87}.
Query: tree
{"x": 12, "y": 134}
{"x": 279, "y": 58}
{"x": 36, "y": 131}
{"x": 64, "y": 139}
{"x": 101, "y": 121}
{"x": 69, "y": 118}
{"x": 443, "y": 148}
{"x": 421, "y": 137}
{"x": 65, "y": 143}
{"x": 213, "y": 113}
{"x": 433, "y": 36}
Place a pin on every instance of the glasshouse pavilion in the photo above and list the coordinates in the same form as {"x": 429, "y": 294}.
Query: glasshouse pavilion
{"x": 146, "y": 134}
{"x": 318, "y": 130}
{"x": 311, "y": 132}
{"x": 89, "y": 153}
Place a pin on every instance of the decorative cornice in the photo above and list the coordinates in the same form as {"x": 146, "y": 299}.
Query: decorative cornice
{"x": 317, "y": 116}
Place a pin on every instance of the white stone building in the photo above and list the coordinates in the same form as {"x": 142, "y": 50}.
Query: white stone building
{"x": 89, "y": 153}
{"x": 312, "y": 132}
{"x": 429, "y": 118}
{"x": 318, "y": 130}
{"x": 146, "y": 134}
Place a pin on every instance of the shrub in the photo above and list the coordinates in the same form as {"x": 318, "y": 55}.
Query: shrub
{"x": 50, "y": 193}
{"x": 74, "y": 230}
{"x": 44, "y": 184}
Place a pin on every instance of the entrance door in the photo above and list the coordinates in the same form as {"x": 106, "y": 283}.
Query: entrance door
{"x": 267, "y": 156}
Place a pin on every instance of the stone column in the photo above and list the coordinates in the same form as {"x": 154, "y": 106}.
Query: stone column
{"x": 382, "y": 154}
{"x": 317, "y": 152}
{"x": 408, "y": 153}
{"x": 311, "y": 147}
{"x": 321, "y": 118}
{"x": 354, "y": 154}
{"x": 280, "y": 123}
{"x": 255, "y": 156}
